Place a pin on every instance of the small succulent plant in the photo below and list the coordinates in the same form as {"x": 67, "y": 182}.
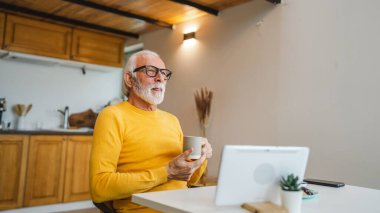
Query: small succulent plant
{"x": 291, "y": 183}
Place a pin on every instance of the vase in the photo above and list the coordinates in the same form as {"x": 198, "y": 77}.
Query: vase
{"x": 203, "y": 179}
{"x": 20, "y": 123}
{"x": 292, "y": 200}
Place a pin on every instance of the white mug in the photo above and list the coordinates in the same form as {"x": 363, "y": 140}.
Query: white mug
{"x": 194, "y": 142}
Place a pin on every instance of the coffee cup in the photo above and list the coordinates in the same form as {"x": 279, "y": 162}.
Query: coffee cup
{"x": 194, "y": 142}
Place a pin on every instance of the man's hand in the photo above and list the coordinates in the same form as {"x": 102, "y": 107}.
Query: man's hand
{"x": 180, "y": 169}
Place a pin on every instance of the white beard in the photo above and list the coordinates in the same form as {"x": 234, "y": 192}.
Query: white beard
{"x": 146, "y": 93}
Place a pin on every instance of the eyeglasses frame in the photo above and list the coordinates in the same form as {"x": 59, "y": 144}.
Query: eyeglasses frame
{"x": 157, "y": 70}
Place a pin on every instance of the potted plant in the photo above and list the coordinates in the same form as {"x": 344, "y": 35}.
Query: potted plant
{"x": 21, "y": 113}
{"x": 203, "y": 100}
{"x": 291, "y": 194}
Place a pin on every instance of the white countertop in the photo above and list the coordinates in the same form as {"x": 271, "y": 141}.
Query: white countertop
{"x": 329, "y": 200}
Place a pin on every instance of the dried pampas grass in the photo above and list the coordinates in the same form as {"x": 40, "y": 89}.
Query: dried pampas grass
{"x": 203, "y": 100}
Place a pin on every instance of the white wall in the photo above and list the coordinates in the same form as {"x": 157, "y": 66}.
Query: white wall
{"x": 302, "y": 73}
{"x": 50, "y": 88}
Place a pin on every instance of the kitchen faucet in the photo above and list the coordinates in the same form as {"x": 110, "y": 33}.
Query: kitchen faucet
{"x": 65, "y": 113}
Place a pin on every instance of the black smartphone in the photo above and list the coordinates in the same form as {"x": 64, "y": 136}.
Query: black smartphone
{"x": 324, "y": 182}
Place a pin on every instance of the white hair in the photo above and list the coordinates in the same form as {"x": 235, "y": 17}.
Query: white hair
{"x": 131, "y": 65}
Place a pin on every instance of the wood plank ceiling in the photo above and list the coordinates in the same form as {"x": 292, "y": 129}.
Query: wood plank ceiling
{"x": 124, "y": 17}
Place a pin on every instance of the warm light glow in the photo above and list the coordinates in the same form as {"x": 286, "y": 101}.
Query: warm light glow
{"x": 189, "y": 42}
{"x": 190, "y": 28}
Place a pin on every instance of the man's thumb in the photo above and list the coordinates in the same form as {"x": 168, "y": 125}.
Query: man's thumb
{"x": 186, "y": 153}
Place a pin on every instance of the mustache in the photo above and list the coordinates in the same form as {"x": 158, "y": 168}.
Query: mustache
{"x": 157, "y": 85}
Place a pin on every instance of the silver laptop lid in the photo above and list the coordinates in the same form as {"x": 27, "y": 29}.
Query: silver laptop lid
{"x": 252, "y": 173}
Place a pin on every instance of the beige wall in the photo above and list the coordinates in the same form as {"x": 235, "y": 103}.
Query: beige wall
{"x": 302, "y": 73}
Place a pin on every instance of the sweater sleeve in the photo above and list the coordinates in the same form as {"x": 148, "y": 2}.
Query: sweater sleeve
{"x": 197, "y": 174}
{"x": 106, "y": 182}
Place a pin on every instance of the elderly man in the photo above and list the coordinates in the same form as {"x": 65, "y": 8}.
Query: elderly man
{"x": 137, "y": 147}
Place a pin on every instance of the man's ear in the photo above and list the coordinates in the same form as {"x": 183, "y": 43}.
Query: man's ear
{"x": 128, "y": 79}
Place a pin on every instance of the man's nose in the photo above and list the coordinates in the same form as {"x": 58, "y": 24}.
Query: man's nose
{"x": 160, "y": 77}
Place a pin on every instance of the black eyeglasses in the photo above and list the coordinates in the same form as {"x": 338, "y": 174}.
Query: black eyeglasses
{"x": 152, "y": 71}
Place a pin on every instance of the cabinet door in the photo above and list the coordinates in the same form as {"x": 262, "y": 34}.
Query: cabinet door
{"x": 77, "y": 186}
{"x": 13, "y": 154}
{"x": 36, "y": 37}
{"x": 45, "y": 173}
{"x": 2, "y": 24}
{"x": 97, "y": 48}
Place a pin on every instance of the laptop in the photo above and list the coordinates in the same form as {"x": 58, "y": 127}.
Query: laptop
{"x": 252, "y": 173}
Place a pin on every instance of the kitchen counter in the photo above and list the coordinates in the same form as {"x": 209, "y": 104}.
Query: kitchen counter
{"x": 45, "y": 132}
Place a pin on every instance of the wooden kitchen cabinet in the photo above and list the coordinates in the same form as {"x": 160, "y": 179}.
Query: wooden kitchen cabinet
{"x": 13, "y": 156}
{"x": 2, "y": 30}
{"x": 77, "y": 186}
{"x": 37, "y": 37}
{"x": 97, "y": 48}
{"x": 27, "y": 35}
{"x": 45, "y": 173}
{"x": 43, "y": 169}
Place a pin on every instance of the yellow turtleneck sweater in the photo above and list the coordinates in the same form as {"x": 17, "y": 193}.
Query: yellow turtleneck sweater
{"x": 130, "y": 152}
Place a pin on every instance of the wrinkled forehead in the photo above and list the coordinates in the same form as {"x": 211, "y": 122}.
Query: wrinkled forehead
{"x": 150, "y": 60}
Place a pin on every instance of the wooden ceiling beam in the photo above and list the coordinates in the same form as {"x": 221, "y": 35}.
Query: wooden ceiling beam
{"x": 40, "y": 14}
{"x": 198, "y": 6}
{"x": 120, "y": 12}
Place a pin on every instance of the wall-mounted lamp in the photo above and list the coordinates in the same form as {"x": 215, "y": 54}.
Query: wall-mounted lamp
{"x": 188, "y": 36}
